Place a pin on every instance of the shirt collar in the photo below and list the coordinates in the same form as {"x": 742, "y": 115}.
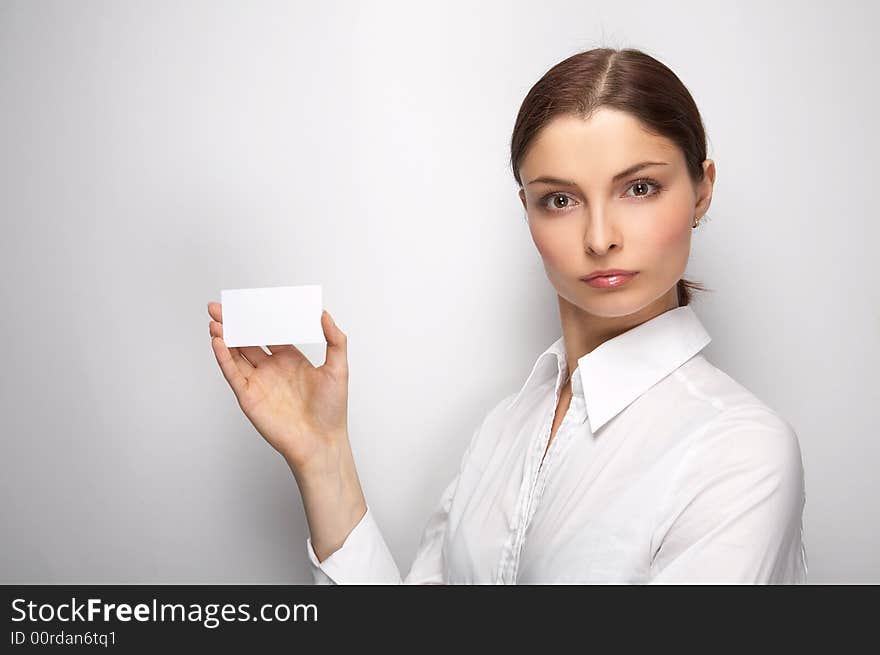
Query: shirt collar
{"x": 622, "y": 368}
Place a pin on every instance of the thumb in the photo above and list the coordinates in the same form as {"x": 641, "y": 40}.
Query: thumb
{"x": 337, "y": 350}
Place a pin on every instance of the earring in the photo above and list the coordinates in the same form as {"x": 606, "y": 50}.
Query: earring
{"x": 696, "y": 221}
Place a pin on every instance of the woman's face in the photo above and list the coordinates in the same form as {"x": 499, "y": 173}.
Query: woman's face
{"x": 590, "y": 219}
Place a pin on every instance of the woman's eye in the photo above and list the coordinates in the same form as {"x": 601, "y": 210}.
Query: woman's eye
{"x": 560, "y": 202}
{"x": 642, "y": 184}
{"x": 551, "y": 202}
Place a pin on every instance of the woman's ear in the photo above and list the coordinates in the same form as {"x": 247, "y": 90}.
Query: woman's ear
{"x": 704, "y": 188}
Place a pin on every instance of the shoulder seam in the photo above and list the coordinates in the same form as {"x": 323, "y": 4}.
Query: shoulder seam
{"x": 695, "y": 391}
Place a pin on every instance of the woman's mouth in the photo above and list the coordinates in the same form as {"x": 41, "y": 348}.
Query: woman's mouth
{"x": 613, "y": 280}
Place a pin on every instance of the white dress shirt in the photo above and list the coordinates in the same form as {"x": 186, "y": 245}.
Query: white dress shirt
{"x": 664, "y": 470}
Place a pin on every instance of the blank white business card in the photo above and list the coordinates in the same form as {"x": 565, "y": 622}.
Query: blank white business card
{"x": 272, "y": 315}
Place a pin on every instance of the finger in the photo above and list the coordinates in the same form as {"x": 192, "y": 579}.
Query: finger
{"x": 241, "y": 361}
{"x": 215, "y": 311}
{"x": 301, "y": 359}
{"x": 253, "y": 355}
{"x": 249, "y": 357}
{"x": 216, "y": 330}
{"x": 337, "y": 344}
{"x": 234, "y": 367}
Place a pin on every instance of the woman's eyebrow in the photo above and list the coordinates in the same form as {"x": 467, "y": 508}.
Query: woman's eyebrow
{"x": 635, "y": 168}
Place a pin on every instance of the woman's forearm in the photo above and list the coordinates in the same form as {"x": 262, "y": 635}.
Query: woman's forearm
{"x": 333, "y": 499}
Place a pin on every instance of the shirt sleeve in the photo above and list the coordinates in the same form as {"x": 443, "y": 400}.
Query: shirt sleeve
{"x": 364, "y": 557}
{"x": 734, "y": 514}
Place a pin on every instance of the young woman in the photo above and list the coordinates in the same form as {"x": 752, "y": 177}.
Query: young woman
{"x": 626, "y": 456}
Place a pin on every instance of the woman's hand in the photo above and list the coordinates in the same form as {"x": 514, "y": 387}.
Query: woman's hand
{"x": 301, "y": 410}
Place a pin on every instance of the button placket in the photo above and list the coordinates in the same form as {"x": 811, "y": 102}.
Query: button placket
{"x": 516, "y": 517}
{"x": 563, "y": 438}
{"x": 535, "y": 465}
{"x": 540, "y": 461}
{"x": 512, "y": 547}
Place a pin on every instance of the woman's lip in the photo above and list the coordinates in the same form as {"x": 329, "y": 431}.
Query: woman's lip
{"x": 610, "y": 281}
{"x": 610, "y": 271}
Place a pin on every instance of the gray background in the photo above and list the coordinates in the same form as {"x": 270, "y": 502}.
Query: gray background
{"x": 153, "y": 153}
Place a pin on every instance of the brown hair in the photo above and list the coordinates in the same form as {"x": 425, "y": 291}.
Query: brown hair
{"x": 624, "y": 79}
